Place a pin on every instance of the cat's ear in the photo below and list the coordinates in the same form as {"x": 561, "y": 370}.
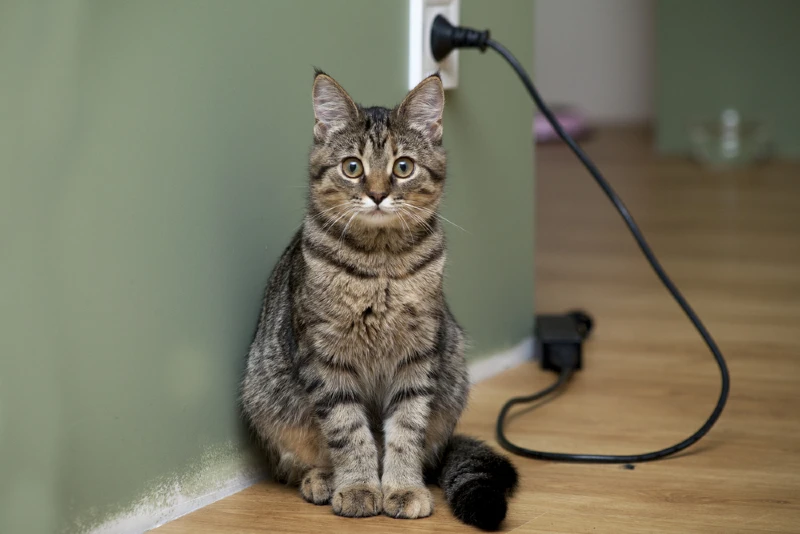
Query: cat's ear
{"x": 333, "y": 107}
{"x": 423, "y": 107}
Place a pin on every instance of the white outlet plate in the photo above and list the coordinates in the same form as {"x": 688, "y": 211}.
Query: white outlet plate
{"x": 420, "y": 60}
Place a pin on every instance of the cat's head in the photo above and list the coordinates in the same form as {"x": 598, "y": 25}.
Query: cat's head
{"x": 377, "y": 167}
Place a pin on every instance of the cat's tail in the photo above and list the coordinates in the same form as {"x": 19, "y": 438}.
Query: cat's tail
{"x": 477, "y": 482}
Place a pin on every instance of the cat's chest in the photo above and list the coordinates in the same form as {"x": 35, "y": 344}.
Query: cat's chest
{"x": 378, "y": 320}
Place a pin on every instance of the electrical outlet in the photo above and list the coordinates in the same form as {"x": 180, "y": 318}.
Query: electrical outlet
{"x": 420, "y": 59}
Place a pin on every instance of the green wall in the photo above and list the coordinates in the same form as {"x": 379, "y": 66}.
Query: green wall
{"x": 153, "y": 164}
{"x": 714, "y": 54}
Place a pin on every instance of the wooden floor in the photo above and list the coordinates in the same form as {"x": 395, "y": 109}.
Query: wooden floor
{"x": 732, "y": 243}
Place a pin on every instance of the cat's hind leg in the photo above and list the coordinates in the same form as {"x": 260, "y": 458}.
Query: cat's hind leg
{"x": 304, "y": 461}
{"x": 317, "y": 485}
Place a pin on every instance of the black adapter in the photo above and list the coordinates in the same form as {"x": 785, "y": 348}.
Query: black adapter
{"x": 559, "y": 340}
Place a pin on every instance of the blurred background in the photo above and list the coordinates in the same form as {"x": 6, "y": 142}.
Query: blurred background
{"x": 599, "y": 57}
{"x": 153, "y": 169}
{"x": 678, "y": 67}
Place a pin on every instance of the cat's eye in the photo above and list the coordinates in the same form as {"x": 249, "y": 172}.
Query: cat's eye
{"x": 403, "y": 167}
{"x": 352, "y": 168}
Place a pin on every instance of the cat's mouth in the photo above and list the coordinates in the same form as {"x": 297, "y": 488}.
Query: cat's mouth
{"x": 377, "y": 215}
{"x": 378, "y": 211}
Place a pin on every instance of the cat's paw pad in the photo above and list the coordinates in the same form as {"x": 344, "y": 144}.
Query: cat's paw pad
{"x": 316, "y": 486}
{"x": 410, "y": 502}
{"x": 357, "y": 500}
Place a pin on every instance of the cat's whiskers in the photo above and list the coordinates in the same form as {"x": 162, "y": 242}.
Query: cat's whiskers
{"x": 355, "y": 213}
{"x": 408, "y": 228}
{"x": 337, "y": 219}
{"x": 319, "y": 214}
{"x": 332, "y": 208}
{"x": 445, "y": 219}
{"x": 419, "y": 219}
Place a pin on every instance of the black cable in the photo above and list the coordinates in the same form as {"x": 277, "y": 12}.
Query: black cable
{"x": 563, "y": 378}
{"x": 662, "y": 275}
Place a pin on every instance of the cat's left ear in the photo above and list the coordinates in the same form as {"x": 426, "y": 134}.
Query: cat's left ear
{"x": 423, "y": 107}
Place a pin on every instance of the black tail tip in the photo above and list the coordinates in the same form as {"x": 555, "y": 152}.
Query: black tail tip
{"x": 477, "y": 482}
{"x": 484, "y": 507}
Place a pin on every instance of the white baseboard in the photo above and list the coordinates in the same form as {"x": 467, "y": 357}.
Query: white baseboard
{"x": 493, "y": 365}
{"x": 183, "y": 505}
{"x": 173, "y": 502}
{"x": 168, "y": 503}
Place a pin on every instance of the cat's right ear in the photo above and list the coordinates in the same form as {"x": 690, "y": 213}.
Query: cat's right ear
{"x": 333, "y": 107}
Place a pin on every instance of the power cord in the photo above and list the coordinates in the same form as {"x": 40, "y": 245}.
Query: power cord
{"x": 444, "y": 38}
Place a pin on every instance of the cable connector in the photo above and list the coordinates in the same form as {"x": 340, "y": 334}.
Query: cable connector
{"x": 445, "y": 37}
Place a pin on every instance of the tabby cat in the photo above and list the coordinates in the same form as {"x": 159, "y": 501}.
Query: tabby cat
{"x": 356, "y": 377}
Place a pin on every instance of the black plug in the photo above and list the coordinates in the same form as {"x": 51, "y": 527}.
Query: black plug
{"x": 445, "y": 37}
{"x": 559, "y": 340}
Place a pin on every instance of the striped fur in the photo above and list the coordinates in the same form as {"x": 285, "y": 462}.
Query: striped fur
{"x": 356, "y": 376}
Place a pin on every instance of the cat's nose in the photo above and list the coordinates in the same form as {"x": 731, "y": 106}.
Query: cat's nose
{"x": 377, "y": 196}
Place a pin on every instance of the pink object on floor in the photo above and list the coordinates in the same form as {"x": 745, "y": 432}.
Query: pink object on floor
{"x": 573, "y": 121}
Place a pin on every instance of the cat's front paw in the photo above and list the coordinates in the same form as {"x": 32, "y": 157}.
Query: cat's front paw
{"x": 357, "y": 500}
{"x": 411, "y": 502}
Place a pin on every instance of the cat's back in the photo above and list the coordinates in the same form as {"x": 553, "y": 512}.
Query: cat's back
{"x": 274, "y": 329}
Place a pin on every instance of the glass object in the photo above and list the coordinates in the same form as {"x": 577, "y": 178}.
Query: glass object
{"x": 729, "y": 140}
